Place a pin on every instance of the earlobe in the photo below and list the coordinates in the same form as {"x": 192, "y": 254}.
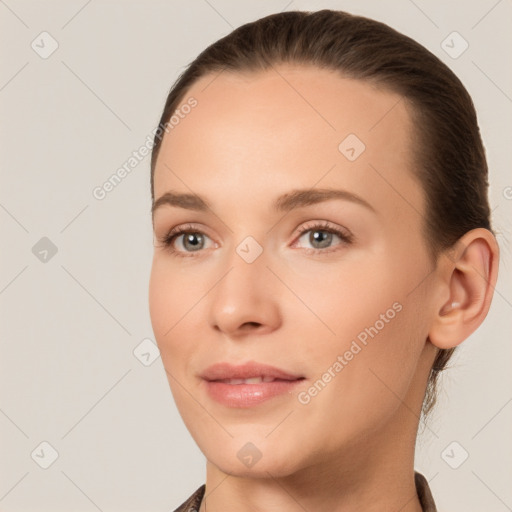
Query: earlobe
{"x": 470, "y": 274}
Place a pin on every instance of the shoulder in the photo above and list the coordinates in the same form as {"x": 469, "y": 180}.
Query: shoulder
{"x": 424, "y": 493}
{"x": 193, "y": 503}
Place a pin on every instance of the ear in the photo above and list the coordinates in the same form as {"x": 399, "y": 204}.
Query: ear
{"x": 470, "y": 271}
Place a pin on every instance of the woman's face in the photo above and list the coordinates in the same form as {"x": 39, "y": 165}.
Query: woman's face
{"x": 334, "y": 291}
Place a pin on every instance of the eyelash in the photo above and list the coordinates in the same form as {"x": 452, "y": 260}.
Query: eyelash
{"x": 168, "y": 240}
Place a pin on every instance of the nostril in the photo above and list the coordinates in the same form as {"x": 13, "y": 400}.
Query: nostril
{"x": 251, "y": 324}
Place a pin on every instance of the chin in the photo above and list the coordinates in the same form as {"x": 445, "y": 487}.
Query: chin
{"x": 259, "y": 458}
{"x": 264, "y": 468}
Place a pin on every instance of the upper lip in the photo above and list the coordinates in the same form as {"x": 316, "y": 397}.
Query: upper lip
{"x": 221, "y": 371}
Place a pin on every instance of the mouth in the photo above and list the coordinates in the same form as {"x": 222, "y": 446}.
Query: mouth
{"x": 251, "y": 370}
{"x": 247, "y": 385}
{"x": 252, "y": 380}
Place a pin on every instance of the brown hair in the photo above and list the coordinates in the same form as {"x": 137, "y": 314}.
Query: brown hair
{"x": 449, "y": 154}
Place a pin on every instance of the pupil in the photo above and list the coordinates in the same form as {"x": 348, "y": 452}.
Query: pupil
{"x": 190, "y": 239}
{"x": 324, "y": 238}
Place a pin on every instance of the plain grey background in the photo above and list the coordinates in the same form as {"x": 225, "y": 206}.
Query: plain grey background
{"x": 82, "y": 388}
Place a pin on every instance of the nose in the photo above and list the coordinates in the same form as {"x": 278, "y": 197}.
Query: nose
{"x": 247, "y": 299}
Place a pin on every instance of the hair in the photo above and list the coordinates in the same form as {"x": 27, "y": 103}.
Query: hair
{"x": 448, "y": 154}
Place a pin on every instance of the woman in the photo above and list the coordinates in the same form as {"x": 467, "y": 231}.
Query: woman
{"x": 322, "y": 245}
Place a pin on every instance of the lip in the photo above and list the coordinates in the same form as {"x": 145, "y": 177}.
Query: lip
{"x": 221, "y": 371}
{"x": 244, "y": 395}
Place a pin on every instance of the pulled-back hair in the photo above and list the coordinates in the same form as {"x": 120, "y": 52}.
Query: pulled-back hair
{"x": 448, "y": 152}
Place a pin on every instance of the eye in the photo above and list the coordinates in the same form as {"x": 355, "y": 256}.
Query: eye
{"x": 321, "y": 236}
{"x": 189, "y": 239}
{"x": 186, "y": 241}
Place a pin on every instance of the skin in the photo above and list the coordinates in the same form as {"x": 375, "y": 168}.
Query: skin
{"x": 251, "y": 138}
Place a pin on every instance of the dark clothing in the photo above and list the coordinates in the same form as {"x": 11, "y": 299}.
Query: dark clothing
{"x": 422, "y": 488}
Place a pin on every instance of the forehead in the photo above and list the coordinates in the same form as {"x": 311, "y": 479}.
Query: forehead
{"x": 290, "y": 126}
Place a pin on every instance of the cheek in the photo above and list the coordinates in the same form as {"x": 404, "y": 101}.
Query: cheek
{"x": 367, "y": 391}
{"x": 160, "y": 302}
{"x": 345, "y": 298}
{"x": 171, "y": 302}
{"x": 171, "y": 307}
{"x": 375, "y": 327}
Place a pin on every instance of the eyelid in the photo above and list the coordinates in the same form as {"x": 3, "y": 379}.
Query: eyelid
{"x": 345, "y": 235}
{"x": 168, "y": 239}
{"x": 325, "y": 225}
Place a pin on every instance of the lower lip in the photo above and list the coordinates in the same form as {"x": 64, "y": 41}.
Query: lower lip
{"x": 248, "y": 395}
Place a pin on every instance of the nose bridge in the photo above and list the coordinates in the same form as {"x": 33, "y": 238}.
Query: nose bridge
{"x": 246, "y": 293}
{"x": 247, "y": 279}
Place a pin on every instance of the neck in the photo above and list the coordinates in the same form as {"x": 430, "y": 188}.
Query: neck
{"x": 374, "y": 473}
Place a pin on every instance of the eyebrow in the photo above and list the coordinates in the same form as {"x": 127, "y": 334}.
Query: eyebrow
{"x": 284, "y": 203}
